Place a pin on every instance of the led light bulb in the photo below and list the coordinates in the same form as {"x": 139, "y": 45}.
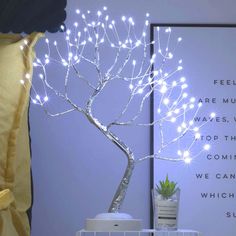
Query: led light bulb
{"x": 179, "y": 39}
{"x": 131, "y": 86}
{"x": 186, "y": 154}
{"x": 187, "y": 160}
{"x": 166, "y": 101}
{"x": 191, "y": 122}
{"x": 27, "y": 76}
{"x": 200, "y": 104}
{"x": 140, "y": 90}
{"x": 174, "y": 83}
{"x": 170, "y": 55}
{"x": 213, "y": 115}
{"x": 207, "y": 147}
{"x": 179, "y": 129}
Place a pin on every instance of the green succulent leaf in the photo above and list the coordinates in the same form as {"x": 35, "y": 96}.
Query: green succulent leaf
{"x": 166, "y": 188}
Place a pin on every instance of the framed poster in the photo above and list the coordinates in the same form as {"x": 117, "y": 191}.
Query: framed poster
{"x": 207, "y": 55}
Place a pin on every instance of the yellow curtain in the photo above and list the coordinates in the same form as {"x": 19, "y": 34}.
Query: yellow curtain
{"x": 16, "y": 55}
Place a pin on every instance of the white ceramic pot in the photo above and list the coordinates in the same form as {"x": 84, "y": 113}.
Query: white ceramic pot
{"x": 166, "y": 212}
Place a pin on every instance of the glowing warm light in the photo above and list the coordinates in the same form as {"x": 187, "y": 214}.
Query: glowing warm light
{"x": 27, "y": 76}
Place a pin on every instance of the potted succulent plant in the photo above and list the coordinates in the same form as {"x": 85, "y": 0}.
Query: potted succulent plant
{"x": 166, "y": 205}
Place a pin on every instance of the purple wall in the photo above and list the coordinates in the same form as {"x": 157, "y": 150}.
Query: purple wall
{"x": 75, "y": 169}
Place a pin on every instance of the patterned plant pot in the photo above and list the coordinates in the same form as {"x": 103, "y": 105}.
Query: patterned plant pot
{"x": 166, "y": 211}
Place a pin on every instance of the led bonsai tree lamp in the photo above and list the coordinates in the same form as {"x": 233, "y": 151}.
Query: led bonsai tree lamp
{"x": 130, "y": 64}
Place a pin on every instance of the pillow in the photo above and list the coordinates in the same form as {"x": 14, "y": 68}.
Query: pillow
{"x": 15, "y": 186}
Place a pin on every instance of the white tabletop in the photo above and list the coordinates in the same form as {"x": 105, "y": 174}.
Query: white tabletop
{"x": 144, "y": 232}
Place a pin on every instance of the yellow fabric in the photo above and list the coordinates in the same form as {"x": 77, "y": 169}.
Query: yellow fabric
{"x": 6, "y": 198}
{"x": 15, "y": 190}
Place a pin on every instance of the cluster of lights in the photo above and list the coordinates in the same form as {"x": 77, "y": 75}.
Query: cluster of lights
{"x": 98, "y": 32}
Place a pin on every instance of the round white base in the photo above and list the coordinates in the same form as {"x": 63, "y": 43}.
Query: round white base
{"x": 113, "y": 222}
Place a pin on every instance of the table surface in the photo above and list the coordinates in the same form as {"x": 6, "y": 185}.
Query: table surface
{"x": 144, "y": 232}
